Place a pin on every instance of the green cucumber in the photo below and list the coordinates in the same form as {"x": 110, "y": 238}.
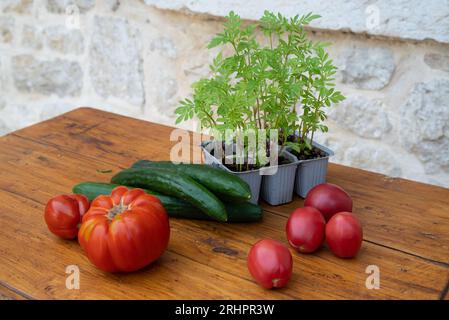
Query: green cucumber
{"x": 174, "y": 206}
{"x": 174, "y": 184}
{"x": 237, "y": 212}
{"x": 177, "y": 208}
{"x": 223, "y": 184}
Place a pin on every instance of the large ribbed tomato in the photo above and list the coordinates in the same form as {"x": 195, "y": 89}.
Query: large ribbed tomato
{"x": 124, "y": 231}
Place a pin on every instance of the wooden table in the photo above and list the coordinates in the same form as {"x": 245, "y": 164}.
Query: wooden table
{"x": 406, "y": 226}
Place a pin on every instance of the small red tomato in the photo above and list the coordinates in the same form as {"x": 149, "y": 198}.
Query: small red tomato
{"x": 63, "y": 214}
{"x": 344, "y": 235}
{"x": 270, "y": 263}
{"x": 305, "y": 229}
{"x": 329, "y": 199}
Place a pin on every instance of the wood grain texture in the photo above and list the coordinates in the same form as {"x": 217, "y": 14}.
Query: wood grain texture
{"x": 8, "y": 293}
{"x": 445, "y": 293}
{"x": 204, "y": 259}
{"x": 401, "y": 214}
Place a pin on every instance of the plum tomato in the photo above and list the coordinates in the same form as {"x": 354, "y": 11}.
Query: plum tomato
{"x": 329, "y": 199}
{"x": 305, "y": 229}
{"x": 344, "y": 235}
{"x": 270, "y": 263}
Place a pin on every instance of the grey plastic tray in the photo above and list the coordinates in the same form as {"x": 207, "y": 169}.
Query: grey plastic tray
{"x": 252, "y": 178}
{"x": 312, "y": 172}
{"x": 278, "y": 188}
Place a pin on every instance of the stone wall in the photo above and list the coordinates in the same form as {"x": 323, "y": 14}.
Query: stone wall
{"x": 137, "y": 58}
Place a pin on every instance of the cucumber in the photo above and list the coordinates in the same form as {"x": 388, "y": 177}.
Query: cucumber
{"x": 223, "y": 184}
{"x": 177, "y": 208}
{"x": 93, "y": 189}
{"x": 173, "y": 205}
{"x": 174, "y": 184}
{"x": 237, "y": 212}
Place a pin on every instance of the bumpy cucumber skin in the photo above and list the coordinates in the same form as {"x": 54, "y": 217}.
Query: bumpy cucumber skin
{"x": 243, "y": 212}
{"x": 223, "y": 184}
{"x": 174, "y": 184}
{"x": 177, "y": 208}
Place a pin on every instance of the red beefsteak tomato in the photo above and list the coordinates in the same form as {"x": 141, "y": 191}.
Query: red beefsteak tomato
{"x": 124, "y": 231}
{"x": 63, "y": 214}
{"x": 329, "y": 199}
{"x": 270, "y": 263}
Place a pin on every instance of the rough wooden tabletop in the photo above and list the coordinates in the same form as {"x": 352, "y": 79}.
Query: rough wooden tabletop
{"x": 406, "y": 226}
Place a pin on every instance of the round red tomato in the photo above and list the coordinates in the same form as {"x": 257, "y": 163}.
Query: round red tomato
{"x": 63, "y": 214}
{"x": 329, "y": 199}
{"x": 305, "y": 229}
{"x": 270, "y": 263}
{"x": 124, "y": 231}
{"x": 344, "y": 235}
